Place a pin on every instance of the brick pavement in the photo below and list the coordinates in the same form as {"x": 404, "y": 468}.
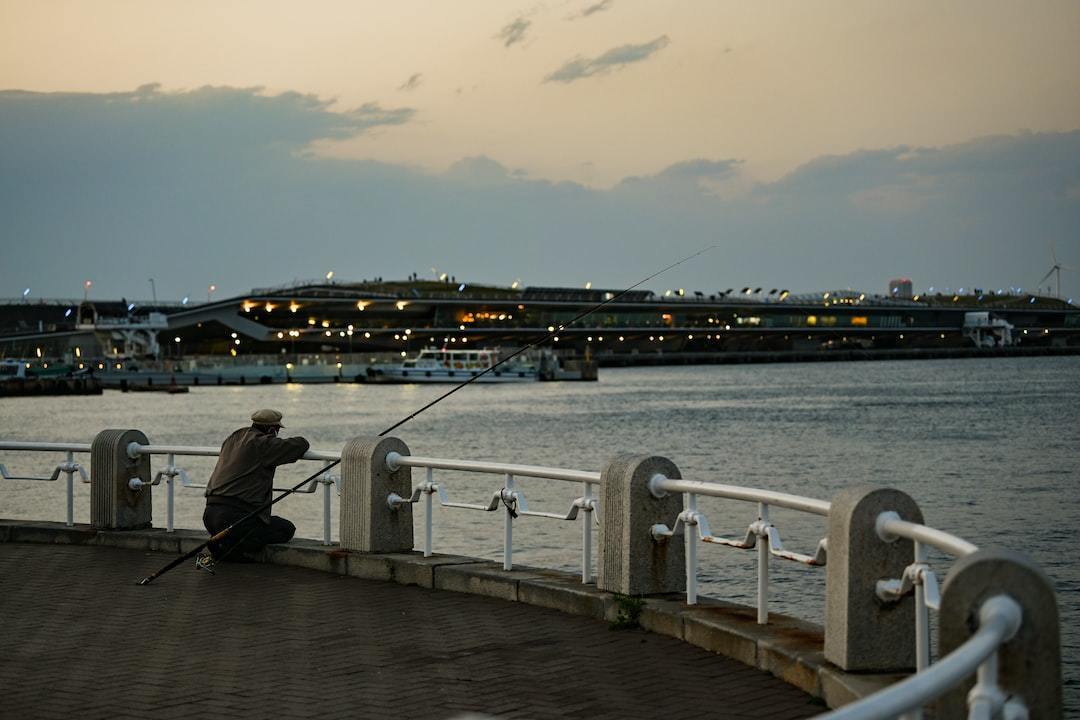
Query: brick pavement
{"x": 78, "y": 638}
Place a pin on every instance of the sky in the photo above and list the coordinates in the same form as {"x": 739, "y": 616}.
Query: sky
{"x": 812, "y": 145}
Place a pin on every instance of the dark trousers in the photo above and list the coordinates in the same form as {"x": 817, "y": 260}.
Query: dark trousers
{"x": 245, "y": 539}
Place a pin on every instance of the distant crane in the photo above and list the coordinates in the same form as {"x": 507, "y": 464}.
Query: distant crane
{"x": 1055, "y": 268}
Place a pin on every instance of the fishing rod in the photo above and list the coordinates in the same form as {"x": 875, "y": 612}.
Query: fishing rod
{"x": 218, "y": 537}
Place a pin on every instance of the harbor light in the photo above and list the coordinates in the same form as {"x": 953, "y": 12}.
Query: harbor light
{"x": 78, "y": 351}
{"x": 367, "y": 335}
{"x": 402, "y": 353}
{"x": 588, "y": 285}
{"x": 39, "y": 352}
{"x": 330, "y": 275}
{"x": 293, "y": 307}
{"x": 326, "y": 323}
{"x": 288, "y": 366}
{"x": 408, "y": 331}
{"x": 281, "y": 336}
{"x": 184, "y": 301}
{"x": 67, "y": 313}
{"x": 233, "y": 336}
{"x": 402, "y": 304}
{"x": 177, "y": 338}
{"x": 25, "y": 292}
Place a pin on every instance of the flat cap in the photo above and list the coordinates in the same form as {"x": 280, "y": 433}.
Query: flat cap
{"x": 267, "y": 417}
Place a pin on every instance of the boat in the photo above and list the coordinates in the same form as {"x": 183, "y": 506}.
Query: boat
{"x": 443, "y": 365}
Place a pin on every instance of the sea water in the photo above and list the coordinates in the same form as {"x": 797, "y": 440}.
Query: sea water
{"x": 989, "y": 448}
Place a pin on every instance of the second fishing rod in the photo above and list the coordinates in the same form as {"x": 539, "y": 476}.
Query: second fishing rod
{"x": 224, "y": 534}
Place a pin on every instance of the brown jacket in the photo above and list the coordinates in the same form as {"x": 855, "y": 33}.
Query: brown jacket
{"x": 245, "y": 467}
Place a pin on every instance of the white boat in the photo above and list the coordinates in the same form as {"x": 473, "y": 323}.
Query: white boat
{"x": 441, "y": 365}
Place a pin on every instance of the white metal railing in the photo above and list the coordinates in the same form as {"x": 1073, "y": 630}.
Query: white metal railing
{"x": 999, "y": 619}
{"x": 511, "y": 498}
{"x": 761, "y": 533}
{"x": 999, "y": 616}
{"x": 69, "y": 467}
{"x": 168, "y": 474}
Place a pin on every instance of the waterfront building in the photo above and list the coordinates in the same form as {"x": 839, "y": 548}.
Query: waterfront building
{"x": 388, "y": 318}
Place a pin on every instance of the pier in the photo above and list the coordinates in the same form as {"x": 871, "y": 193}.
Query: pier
{"x": 998, "y": 645}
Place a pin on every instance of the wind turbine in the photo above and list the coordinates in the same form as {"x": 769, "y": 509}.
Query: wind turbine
{"x": 1055, "y": 268}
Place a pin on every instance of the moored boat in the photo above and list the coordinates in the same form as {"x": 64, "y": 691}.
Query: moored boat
{"x": 434, "y": 365}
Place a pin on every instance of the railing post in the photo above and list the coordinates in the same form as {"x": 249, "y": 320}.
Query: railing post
{"x": 863, "y": 634}
{"x": 1029, "y": 665}
{"x": 328, "y": 487}
{"x": 690, "y": 535}
{"x": 113, "y": 504}
{"x": 629, "y": 560}
{"x": 169, "y": 478}
{"x": 70, "y": 489}
{"x": 763, "y": 566}
{"x": 508, "y": 525}
{"x": 368, "y": 524}
{"x": 586, "y": 536}
{"x": 429, "y": 490}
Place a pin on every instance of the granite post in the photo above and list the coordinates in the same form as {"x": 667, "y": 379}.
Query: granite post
{"x": 113, "y": 504}
{"x": 863, "y": 633}
{"x": 368, "y": 524}
{"x": 629, "y": 560}
{"x": 1029, "y": 664}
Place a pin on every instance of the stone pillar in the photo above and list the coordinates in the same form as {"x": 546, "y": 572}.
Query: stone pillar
{"x": 862, "y": 633}
{"x": 113, "y": 504}
{"x": 368, "y": 524}
{"x": 1030, "y": 663}
{"x": 629, "y": 560}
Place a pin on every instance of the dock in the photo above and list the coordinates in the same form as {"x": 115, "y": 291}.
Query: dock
{"x": 260, "y": 640}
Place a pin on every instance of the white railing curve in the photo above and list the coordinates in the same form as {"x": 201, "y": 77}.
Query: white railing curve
{"x": 999, "y": 616}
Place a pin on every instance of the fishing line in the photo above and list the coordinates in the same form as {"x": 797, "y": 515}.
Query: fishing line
{"x": 218, "y": 537}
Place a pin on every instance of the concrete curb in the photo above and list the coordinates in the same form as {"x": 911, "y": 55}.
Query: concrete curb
{"x": 787, "y": 647}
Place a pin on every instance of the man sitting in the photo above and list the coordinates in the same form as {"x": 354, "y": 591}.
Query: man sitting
{"x": 242, "y": 482}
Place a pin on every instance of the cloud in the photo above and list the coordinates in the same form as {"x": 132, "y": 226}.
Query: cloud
{"x": 480, "y": 170}
{"x": 598, "y": 7}
{"x": 412, "y": 83}
{"x": 613, "y": 59}
{"x": 514, "y": 32}
{"x": 690, "y": 178}
{"x": 216, "y": 185}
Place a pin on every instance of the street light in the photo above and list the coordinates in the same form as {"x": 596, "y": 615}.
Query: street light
{"x": 87, "y": 284}
{"x": 210, "y": 291}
